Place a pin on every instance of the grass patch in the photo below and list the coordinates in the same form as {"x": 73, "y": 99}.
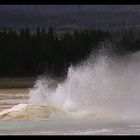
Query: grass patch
{"x": 9, "y": 83}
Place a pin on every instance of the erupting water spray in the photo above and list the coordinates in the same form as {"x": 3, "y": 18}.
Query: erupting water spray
{"x": 104, "y": 85}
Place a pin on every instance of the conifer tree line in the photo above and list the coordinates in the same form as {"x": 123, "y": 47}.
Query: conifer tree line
{"x": 25, "y": 53}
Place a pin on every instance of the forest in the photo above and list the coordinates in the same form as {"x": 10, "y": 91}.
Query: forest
{"x": 24, "y": 53}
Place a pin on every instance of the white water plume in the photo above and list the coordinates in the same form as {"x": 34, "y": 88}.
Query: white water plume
{"x": 107, "y": 85}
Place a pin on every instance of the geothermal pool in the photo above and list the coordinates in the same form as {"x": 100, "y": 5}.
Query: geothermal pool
{"x": 101, "y": 97}
{"x": 67, "y": 127}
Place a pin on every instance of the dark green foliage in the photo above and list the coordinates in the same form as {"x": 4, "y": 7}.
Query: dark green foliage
{"x": 31, "y": 54}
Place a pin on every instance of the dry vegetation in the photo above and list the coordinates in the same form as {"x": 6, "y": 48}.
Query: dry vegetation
{"x": 11, "y": 83}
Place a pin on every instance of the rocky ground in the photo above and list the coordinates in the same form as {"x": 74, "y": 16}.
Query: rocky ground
{"x": 12, "y": 97}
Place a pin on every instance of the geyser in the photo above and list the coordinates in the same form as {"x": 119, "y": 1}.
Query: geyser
{"x": 105, "y": 86}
